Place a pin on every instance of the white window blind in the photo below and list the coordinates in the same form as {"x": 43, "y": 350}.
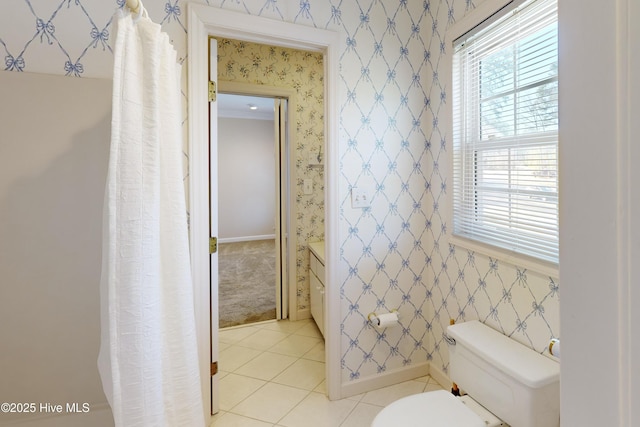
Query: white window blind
{"x": 505, "y": 132}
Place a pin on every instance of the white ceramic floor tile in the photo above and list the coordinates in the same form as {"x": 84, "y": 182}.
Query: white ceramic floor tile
{"x": 271, "y": 402}
{"x": 305, "y": 374}
{"x": 316, "y": 353}
{"x": 310, "y": 330}
{"x": 285, "y": 326}
{"x": 233, "y": 335}
{"x": 317, "y": 411}
{"x": 433, "y": 385}
{"x": 235, "y": 356}
{"x": 357, "y": 397}
{"x": 386, "y": 395}
{"x": 291, "y": 356}
{"x": 216, "y": 417}
{"x": 362, "y": 415}
{"x": 295, "y": 345}
{"x": 266, "y": 366}
{"x": 262, "y": 339}
{"x": 321, "y": 388}
{"x": 233, "y": 420}
{"x": 235, "y": 388}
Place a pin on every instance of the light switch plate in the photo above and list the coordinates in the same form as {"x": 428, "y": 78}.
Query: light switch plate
{"x": 308, "y": 186}
{"x": 360, "y": 198}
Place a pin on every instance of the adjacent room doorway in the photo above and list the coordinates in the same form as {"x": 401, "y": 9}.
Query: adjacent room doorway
{"x": 253, "y": 208}
{"x": 205, "y": 22}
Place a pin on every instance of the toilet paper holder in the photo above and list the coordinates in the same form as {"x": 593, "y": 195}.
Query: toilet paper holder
{"x": 375, "y": 318}
{"x": 554, "y": 347}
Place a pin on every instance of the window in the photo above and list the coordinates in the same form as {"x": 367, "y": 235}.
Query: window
{"x": 505, "y": 132}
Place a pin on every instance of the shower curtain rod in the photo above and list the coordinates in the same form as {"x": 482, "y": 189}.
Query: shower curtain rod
{"x": 134, "y": 5}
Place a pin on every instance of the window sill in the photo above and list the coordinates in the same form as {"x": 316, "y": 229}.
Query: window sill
{"x": 523, "y": 261}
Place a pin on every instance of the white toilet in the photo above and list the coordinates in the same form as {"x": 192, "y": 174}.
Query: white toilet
{"x": 516, "y": 385}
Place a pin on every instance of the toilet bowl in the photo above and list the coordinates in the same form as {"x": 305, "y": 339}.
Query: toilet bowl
{"x": 508, "y": 384}
{"x": 436, "y": 409}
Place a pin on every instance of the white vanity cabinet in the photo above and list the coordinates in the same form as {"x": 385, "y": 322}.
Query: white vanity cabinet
{"x": 316, "y": 283}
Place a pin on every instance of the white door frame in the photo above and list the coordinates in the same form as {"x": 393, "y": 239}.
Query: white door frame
{"x": 285, "y": 239}
{"x": 204, "y": 21}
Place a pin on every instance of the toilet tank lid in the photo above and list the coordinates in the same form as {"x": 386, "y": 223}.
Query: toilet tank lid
{"x": 509, "y": 356}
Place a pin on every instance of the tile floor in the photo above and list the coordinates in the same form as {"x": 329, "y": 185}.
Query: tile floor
{"x": 272, "y": 374}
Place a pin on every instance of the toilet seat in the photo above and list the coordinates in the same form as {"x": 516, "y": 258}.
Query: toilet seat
{"x": 432, "y": 409}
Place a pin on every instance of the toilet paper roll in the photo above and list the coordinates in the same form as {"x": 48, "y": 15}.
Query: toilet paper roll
{"x": 386, "y": 320}
{"x": 554, "y": 347}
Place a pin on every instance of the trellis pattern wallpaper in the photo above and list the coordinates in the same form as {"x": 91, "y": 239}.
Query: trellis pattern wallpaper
{"x": 240, "y": 61}
{"x": 396, "y": 253}
{"x": 464, "y": 285}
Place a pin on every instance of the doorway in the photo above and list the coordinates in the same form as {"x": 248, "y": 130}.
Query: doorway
{"x": 283, "y": 173}
{"x": 205, "y": 21}
{"x": 252, "y": 209}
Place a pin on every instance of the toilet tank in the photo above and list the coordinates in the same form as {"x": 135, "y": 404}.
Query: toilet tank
{"x": 517, "y": 384}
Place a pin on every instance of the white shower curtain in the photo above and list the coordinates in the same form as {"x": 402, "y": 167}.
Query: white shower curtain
{"x": 148, "y": 356}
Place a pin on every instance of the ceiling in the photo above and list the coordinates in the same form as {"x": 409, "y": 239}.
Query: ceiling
{"x": 237, "y": 106}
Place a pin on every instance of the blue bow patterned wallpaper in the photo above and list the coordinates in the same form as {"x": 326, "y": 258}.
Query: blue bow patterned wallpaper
{"x": 394, "y": 254}
{"x": 461, "y": 284}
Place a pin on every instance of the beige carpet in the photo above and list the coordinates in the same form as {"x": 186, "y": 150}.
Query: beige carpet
{"x": 246, "y": 282}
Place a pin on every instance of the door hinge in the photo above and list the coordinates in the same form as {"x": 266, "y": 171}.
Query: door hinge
{"x": 212, "y": 91}
{"x": 214, "y": 368}
{"x": 213, "y": 245}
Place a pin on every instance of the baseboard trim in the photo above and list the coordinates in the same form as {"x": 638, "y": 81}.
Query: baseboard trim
{"x": 246, "y": 238}
{"x": 301, "y": 314}
{"x": 392, "y": 377}
{"x": 439, "y": 375}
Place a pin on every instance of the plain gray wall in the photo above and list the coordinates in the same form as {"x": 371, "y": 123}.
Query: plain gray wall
{"x": 247, "y": 176}
{"x": 54, "y": 150}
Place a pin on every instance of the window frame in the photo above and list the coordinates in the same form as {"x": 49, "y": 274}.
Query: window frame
{"x": 481, "y": 17}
